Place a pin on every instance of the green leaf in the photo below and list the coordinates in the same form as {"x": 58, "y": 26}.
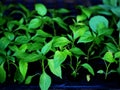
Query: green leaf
{"x": 2, "y": 74}
{"x": 116, "y": 11}
{"x": 60, "y": 41}
{"x": 22, "y": 39}
{"x": 110, "y": 2}
{"x": 46, "y": 48}
{"x": 32, "y": 57}
{"x": 77, "y": 51}
{"x": 60, "y": 22}
{"x": 63, "y": 10}
{"x": 34, "y": 23}
{"x": 45, "y": 81}
{"x": 18, "y": 76}
{"x": 86, "y": 11}
{"x": 89, "y": 68}
{"x": 117, "y": 54}
{"x": 4, "y": 41}
{"x": 41, "y": 9}
{"x": 81, "y": 17}
{"x": 96, "y": 20}
{"x": 9, "y": 35}
{"x": 100, "y": 71}
{"x": 111, "y": 47}
{"x": 42, "y": 33}
{"x": 34, "y": 46}
{"x": 87, "y": 37}
{"x": 109, "y": 57}
{"x": 55, "y": 70}
{"x": 28, "y": 79}
{"x": 23, "y": 67}
{"x": 59, "y": 58}
{"x": 118, "y": 25}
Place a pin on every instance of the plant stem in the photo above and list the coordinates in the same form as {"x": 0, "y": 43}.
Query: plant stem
{"x": 89, "y": 50}
{"x": 43, "y": 69}
{"x": 107, "y": 68}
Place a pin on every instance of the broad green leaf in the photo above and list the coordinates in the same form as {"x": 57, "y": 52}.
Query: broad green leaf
{"x": 87, "y": 37}
{"x": 2, "y": 59}
{"x": 42, "y": 33}
{"x": 55, "y": 70}
{"x": 117, "y": 54}
{"x": 77, "y": 51}
{"x": 34, "y": 46}
{"x": 89, "y": 68}
{"x": 28, "y": 79}
{"x": 110, "y": 2}
{"x": 23, "y": 47}
{"x": 45, "y": 81}
{"x": 59, "y": 58}
{"x": 46, "y": 48}
{"x": 4, "y": 43}
{"x": 32, "y": 57}
{"x": 116, "y": 11}
{"x": 2, "y": 74}
{"x": 81, "y": 17}
{"x": 96, "y": 20}
{"x": 41, "y": 9}
{"x": 109, "y": 57}
{"x": 60, "y": 41}
{"x": 22, "y": 39}
{"x": 9, "y": 35}
{"x": 34, "y": 23}
{"x": 60, "y": 22}
{"x": 79, "y": 32}
{"x": 23, "y": 67}
{"x": 111, "y": 47}
{"x": 100, "y": 71}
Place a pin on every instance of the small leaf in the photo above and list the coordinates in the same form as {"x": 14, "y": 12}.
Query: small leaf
{"x": 46, "y": 48}
{"x": 87, "y": 37}
{"x": 117, "y": 54}
{"x": 109, "y": 57}
{"x": 60, "y": 22}
{"x": 22, "y": 39}
{"x": 2, "y": 74}
{"x": 9, "y": 35}
{"x": 96, "y": 20}
{"x": 42, "y": 33}
{"x": 77, "y": 51}
{"x": 28, "y": 79}
{"x": 116, "y": 11}
{"x": 55, "y": 70}
{"x": 59, "y": 58}
{"x": 111, "y": 47}
{"x": 23, "y": 66}
{"x": 100, "y": 72}
{"x": 118, "y": 25}
{"x": 41, "y": 9}
{"x": 88, "y": 78}
{"x": 89, "y": 68}
{"x": 81, "y": 17}
{"x": 4, "y": 42}
{"x": 45, "y": 81}
{"x": 60, "y": 41}
{"x": 34, "y": 23}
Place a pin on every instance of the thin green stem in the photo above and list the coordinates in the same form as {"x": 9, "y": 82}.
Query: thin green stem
{"x": 107, "y": 70}
{"x": 89, "y": 50}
